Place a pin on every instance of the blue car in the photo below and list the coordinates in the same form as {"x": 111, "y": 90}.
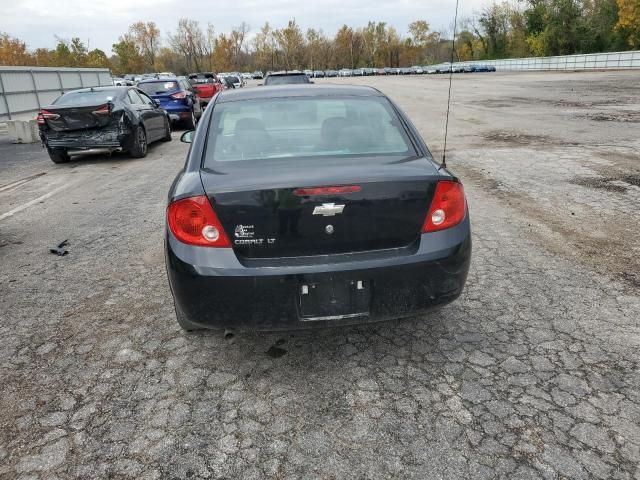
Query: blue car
{"x": 177, "y": 97}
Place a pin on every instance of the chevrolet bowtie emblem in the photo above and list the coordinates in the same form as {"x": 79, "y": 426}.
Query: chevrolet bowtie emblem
{"x": 328, "y": 209}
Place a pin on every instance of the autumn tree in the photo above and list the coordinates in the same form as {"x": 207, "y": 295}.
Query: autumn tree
{"x": 264, "y": 48}
{"x": 374, "y": 42}
{"x": 223, "y": 54}
{"x": 629, "y": 21}
{"x": 43, "y": 57}
{"x": 146, "y": 36}
{"x": 393, "y": 47}
{"x": 314, "y": 39}
{"x": 13, "y": 51}
{"x": 189, "y": 40}
{"x": 423, "y": 39}
{"x": 209, "y": 46}
{"x": 346, "y": 47}
{"x": 97, "y": 58}
{"x": 238, "y": 38}
{"x": 290, "y": 41}
{"x": 128, "y": 58}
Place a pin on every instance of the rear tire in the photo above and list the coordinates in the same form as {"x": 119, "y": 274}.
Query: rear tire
{"x": 167, "y": 130}
{"x": 185, "y": 324}
{"x": 58, "y": 155}
{"x": 190, "y": 123}
{"x": 139, "y": 148}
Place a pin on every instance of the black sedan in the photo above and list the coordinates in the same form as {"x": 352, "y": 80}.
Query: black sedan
{"x": 304, "y": 206}
{"x": 104, "y": 118}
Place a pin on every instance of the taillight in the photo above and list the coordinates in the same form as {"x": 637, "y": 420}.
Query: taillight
{"x": 46, "y": 115}
{"x": 333, "y": 190}
{"x": 102, "y": 110}
{"x": 448, "y": 207}
{"x": 178, "y": 95}
{"x": 192, "y": 220}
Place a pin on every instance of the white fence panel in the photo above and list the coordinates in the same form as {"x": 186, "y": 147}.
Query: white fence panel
{"x": 70, "y": 80}
{"x": 17, "y": 82}
{"x": 47, "y": 81}
{"x": 591, "y": 61}
{"x": 21, "y": 102}
{"x": 24, "y": 90}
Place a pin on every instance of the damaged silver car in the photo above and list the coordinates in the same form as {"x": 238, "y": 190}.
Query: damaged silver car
{"x": 102, "y": 118}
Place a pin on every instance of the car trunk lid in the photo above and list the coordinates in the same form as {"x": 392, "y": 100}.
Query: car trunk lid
{"x": 275, "y": 215}
{"x": 66, "y": 118}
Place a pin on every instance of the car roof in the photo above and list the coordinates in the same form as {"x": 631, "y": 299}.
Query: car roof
{"x": 298, "y": 90}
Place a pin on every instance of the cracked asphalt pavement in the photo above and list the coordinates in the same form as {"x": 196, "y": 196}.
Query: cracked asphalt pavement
{"x": 532, "y": 373}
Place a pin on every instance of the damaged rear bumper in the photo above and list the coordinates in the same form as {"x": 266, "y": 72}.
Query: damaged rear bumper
{"x": 112, "y": 138}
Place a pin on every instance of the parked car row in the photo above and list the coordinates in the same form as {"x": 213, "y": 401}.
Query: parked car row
{"x": 235, "y": 78}
{"x": 415, "y": 70}
{"x": 128, "y": 116}
{"x": 267, "y": 181}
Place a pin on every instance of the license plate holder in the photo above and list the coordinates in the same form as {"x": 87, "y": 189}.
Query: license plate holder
{"x": 334, "y": 299}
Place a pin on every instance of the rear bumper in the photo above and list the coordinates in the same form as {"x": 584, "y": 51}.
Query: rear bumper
{"x": 177, "y": 111}
{"x": 85, "y": 139}
{"x": 212, "y": 288}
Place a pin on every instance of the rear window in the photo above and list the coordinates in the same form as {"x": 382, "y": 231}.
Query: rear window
{"x": 301, "y": 128}
{"x": 202, "y": 80}
{"x": 158, "y": 88}
{"x": 87, "y": 98}
{"x": 286, "y": 79}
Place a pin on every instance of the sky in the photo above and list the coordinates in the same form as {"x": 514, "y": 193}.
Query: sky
{"x": 100, "y": 22}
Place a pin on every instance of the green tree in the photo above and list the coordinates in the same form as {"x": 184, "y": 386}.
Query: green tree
{"x": 128, "y": 57}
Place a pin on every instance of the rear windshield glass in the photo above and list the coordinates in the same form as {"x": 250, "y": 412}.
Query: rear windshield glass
{"x": 87, "y": 98}
{"x": 202, "y": 80}
{"x": 158, "y": 88}
{"x": 286, "y": 79}
{"x": 304, "y": 128}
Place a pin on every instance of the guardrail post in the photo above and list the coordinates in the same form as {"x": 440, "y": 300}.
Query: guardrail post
{"x": 81, "y": 81}
{"x": 60, "y": 81}
{"x": 35, "y": 89}
{"x": 4, "y": 96}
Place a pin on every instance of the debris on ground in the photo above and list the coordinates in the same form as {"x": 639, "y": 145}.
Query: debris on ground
{"x": 60, "y": 250}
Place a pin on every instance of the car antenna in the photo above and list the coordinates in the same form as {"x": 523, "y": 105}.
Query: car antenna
{"x": 446, "y": 125}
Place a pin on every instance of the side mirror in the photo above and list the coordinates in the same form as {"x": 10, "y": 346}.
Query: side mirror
{"x": 260, "y": 84}
{"x": 311, "y": 81}
{"x": 156, "y": 103}
{"x": 187, "y": 137}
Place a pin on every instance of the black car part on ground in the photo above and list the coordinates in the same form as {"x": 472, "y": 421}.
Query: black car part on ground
{"x": 119, "y": 118}
{"x": 60, "y": 249}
